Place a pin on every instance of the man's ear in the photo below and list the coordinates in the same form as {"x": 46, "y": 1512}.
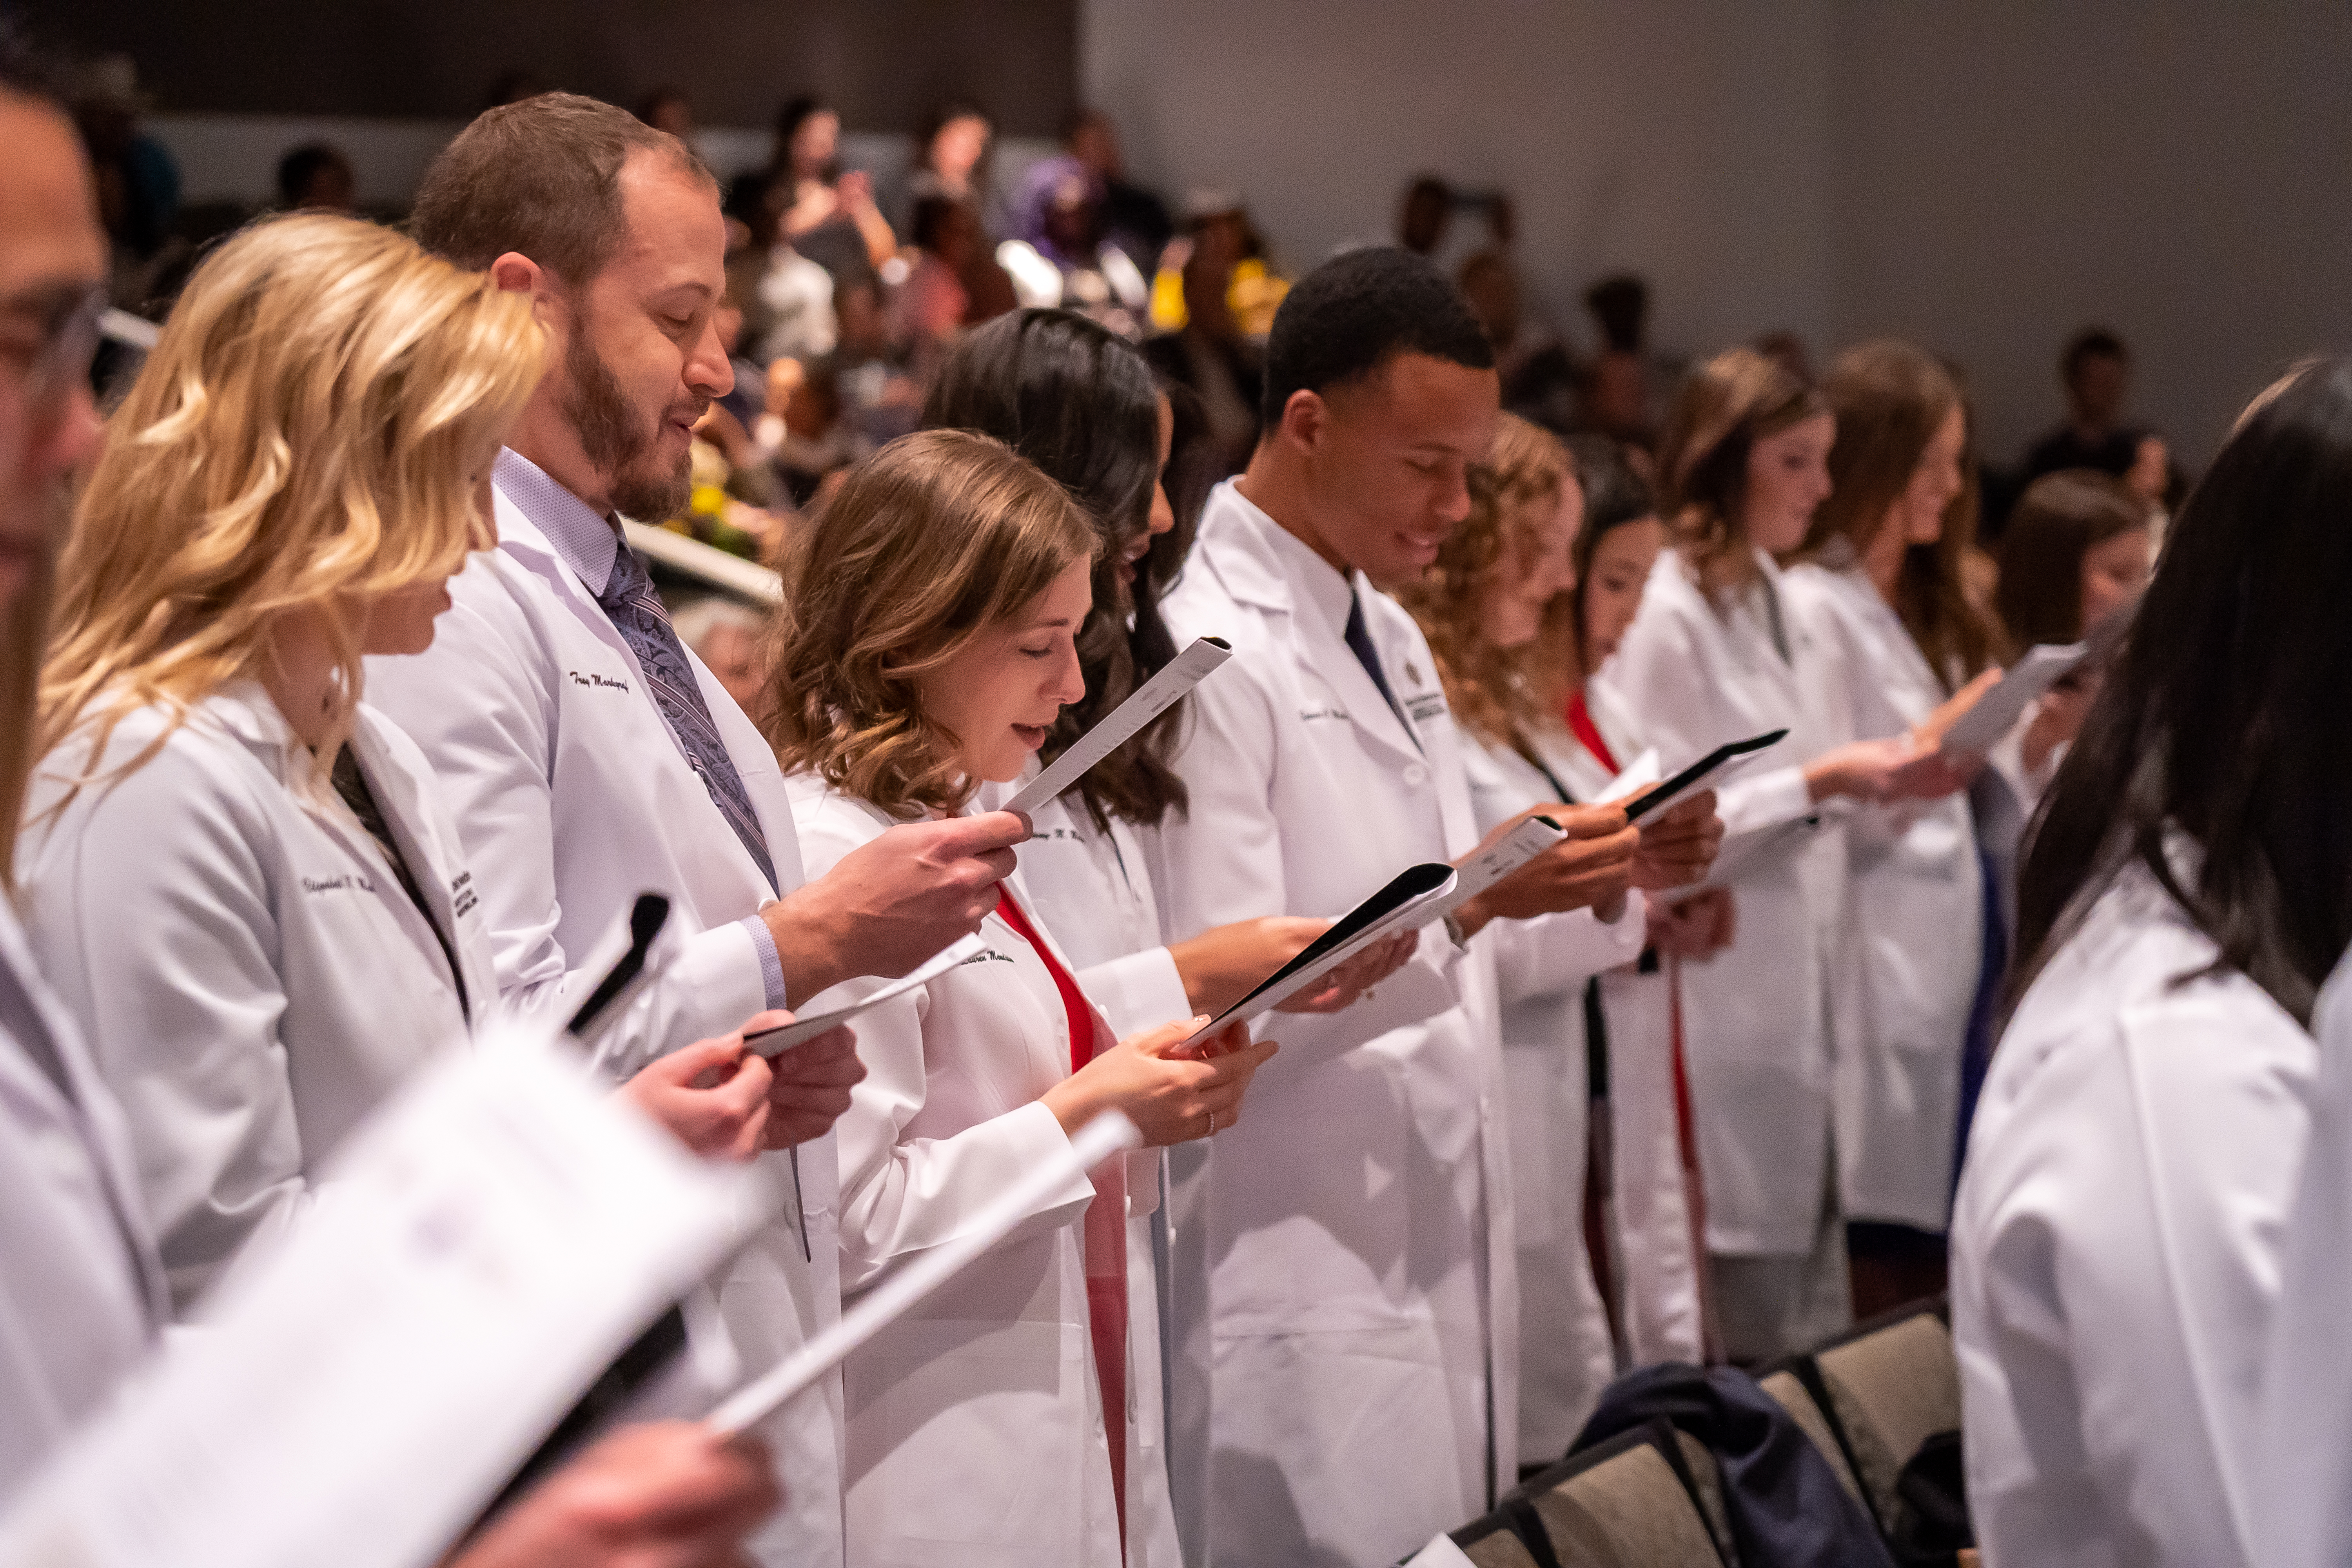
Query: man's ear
{"x": 518, "y": 273}
{"x": 1303, "y": 416}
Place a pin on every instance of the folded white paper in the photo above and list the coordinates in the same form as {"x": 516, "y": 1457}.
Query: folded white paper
{"x": 357, "y": 1395}
{"x": 1107, "y": 1135}
{"x": 1976, "y": 731}
{"x": 1439, "y": 1553}
{"x": 1391, "y": 910}
{"x": 1148, "y": 701}
{"x": 1482, "y": 868}
{"x": 784, "y": 1036}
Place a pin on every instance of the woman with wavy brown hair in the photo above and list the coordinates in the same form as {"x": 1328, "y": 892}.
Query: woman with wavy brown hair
{"x": 926, "y": 647}
{"x": 1482, "y": 607}
{"x": 1717, "y": 655}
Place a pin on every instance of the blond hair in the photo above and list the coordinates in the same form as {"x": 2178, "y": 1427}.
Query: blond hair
{"x": 1514, "y": 489}
{"x": 929, "y": 544}
{"x": 307, "y": 432}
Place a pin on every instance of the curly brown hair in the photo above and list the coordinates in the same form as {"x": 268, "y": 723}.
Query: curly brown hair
{"x": 929, "y": 543}
{"x": 1513, "y": 489}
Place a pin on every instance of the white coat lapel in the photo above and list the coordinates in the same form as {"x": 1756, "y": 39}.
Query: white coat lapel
{"x": 521, "y": 540}
{"x": 1256, "y": 572}
{"x": 432, "y": 856}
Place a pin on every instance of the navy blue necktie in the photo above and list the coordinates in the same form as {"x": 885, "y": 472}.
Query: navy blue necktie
{"x": 1360, "y": 642}
{"x": 637, "y": 615}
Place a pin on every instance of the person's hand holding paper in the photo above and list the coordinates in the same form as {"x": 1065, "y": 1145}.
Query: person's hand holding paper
{"x": 1171, "y": 1099}
{"x": 1220, "y": 965}
{"x": 1679, "y": 844}
{"x": 890, "y": 904}
{"x": 669, "y": 1494}
{"x": 1697, "y": 926}
{"x": 1591, "y": 868}
{"x": 810, "y": 1088}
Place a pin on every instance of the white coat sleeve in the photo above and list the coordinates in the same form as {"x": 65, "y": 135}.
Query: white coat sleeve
{"x": 481, "y": 704}
{"x": 1221, "y": 860}
{"x": 901, "y": 1194}
{"x": 1553, "y": 953}
{"x": 1661, "y": 675}
{"x": 2301, "y": 1504}
{"x": 2127, "y": 1281}
{"x": 152, "y": 916}
{"x": 1137, "y": 992}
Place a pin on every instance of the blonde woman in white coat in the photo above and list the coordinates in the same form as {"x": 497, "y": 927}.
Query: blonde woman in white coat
{"x": 1717, "y": 655}
{"x": 1879, "y": 581}
{"x": 927, "y": 648}
{"x": 1080, "y": 403}
{"x": 240, "y": 876}
{"x": 1482, "y": 607}
{"x": 2131, "y": 1199}
{"x": 85, "y": 1294}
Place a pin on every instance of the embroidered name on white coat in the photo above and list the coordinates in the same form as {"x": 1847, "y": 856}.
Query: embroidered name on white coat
{"x": 608, "y": 682}
{"x": 343, "y": 882}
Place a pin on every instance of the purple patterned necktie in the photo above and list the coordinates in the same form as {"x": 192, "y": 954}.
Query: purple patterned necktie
{"x": 637, "y": 615}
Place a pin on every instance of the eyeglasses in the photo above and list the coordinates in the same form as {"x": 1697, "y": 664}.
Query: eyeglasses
{"x": 68, "y": 318}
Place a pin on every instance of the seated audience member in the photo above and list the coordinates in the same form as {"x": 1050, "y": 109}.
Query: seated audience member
{"x": 85, "y": 1294}
{"x": 932, "y": 305}
{"x": 316, "y": 174}
{"x": 818, "y": 441}
{"x": 786, "y": 299}
{"x": 952, "y": 163}
{"x": 1133, "y": 218}
{"x": 1210, "y": 355}
{"x": 725, "y": 635}
{"x": 878, "y": 398}
{"x": 823, "y": 213}
{"x": 668, "y": 109}
{"x": 2095, "y": 372}
{"x": 2116, "y": 1248}
{"x": 1538, "y": 382}
{"x": 1058, "y": 254}
{"x": 925, "y": 648}
{"x": 1625, "y": 386}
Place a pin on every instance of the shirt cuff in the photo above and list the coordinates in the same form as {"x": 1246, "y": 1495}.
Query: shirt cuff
{"x": 771, "y": 962}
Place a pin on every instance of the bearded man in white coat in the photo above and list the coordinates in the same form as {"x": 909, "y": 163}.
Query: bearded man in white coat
{"x": 1349, "y": 1247}
{"x": 588, "y": 756}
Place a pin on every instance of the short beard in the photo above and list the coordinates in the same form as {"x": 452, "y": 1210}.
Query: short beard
{"x": 614, "y": 436}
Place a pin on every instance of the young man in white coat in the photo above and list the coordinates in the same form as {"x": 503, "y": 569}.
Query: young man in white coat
{"x": 1349, "y": 1247}
{"x": 587, "y": 755}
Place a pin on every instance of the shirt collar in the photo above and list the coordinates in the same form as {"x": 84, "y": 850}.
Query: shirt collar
{"x": 580, "y": 539}
{"x": 1328, "y": 590}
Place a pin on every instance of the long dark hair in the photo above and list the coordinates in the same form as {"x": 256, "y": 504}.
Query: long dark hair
{"x": 2224, "y": 713}
{"x": 1078, "y": 402}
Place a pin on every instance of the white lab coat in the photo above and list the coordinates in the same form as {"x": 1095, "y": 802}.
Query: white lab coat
{"x": 252, "y": 975}
{"x": 573, "y": 796}
{"x": 1761, "y": 1019}
{"x": 1362, "y": 1311}
{"x": 2116, "y": 1247}
{"x": 1917, "y": 895}
{"x": 1093, "y": 891}
{"x": 1541, "y": 967}
{"x": 83, "y": 1293}
{"x": 1659, "y": 1292}
{"x": 2300, "y": 1506}
{"x": 976, "y": 1427}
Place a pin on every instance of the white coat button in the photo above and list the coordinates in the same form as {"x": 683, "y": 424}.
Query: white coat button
{"x": 1415, "y": 772}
